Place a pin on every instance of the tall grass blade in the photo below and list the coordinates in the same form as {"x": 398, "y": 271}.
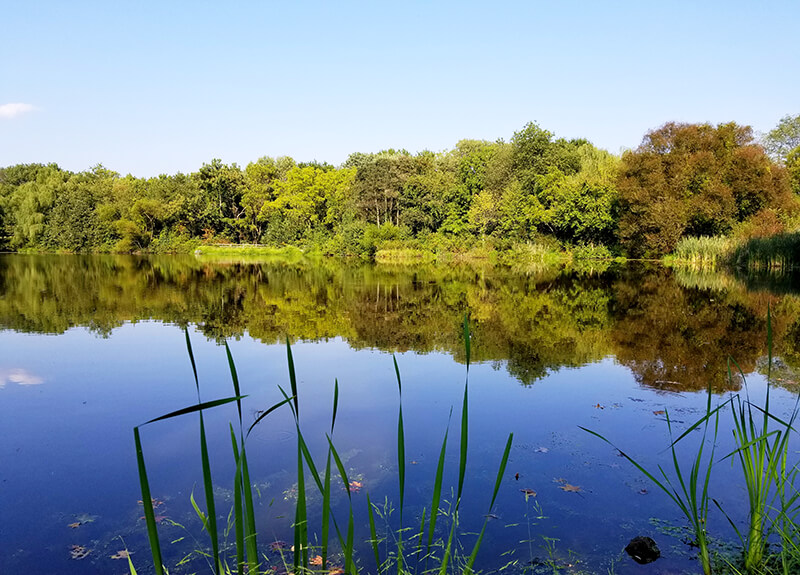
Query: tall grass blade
{"x": 349, "y": 564}
{"x": 235, "y": 379}
{"x": 251, "y": 544}
{"x": 195, "y": 408}
{"x": 292, "y": 378}
{"x": 147, "y": 503}
{"x": 401, "y": 465}
{"x": 326, "y": 511}
{"x": 238, "y": 523}
{"x": 335, "y": 403}
{"x": 266, "y": 413}
{"x": 437, "y": 487}
{"x": 462, "y": 460}
{"x": 300, "y": 518}
{"x": 373, "y": 535}
{"x": 500, "y": 473}
{"x": 208, "y": 487}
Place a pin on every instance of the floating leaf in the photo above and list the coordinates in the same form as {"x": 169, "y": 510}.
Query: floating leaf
{"x": 278, "y": 546}
{"x": 570, "y": 488}
{"x": 79, "y": 552}
{"x": 528, "y": 493}
{"x": 121, "y": 554}
{"x": 356, "y": 486}
{"x": 336, "y": 571}
{"x": 598, "y": 406}
{"x": 659, "y": 412}
{"x": 316, "y": 561}
{"x": 74, "y": 525}
{"x": 559, "y": 480}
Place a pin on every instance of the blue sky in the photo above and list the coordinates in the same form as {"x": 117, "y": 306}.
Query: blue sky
{"x": 160, "y": 87}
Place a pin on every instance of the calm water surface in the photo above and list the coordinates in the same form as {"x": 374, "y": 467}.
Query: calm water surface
{"x": 92, "y": 346}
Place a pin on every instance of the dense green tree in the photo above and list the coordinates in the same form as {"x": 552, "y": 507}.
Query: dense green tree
{"x": 694, "y": 179}
{"x": 222, "y": 186}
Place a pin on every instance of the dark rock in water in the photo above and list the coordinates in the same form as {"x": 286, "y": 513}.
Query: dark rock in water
{"x": 643, "y": 550}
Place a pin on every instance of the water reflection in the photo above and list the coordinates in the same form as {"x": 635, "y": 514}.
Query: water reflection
{"x": 674, "y": 329}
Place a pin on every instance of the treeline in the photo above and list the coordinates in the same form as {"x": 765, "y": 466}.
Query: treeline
{"x": 683, "y": 180}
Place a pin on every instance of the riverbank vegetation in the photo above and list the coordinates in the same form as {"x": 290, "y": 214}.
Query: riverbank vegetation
{"x": 535, "y": 193}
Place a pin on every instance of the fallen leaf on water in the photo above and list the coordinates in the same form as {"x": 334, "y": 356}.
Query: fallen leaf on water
{"x": 278, "y": 545}
{"x": 335, "y": 571}
{"x": 598, "y": 406}
{"x": 155, "y": 502}
{"x": 516, "y": 476}
{"x": 528, "y": 493}
{"x": 74, "y": 525}
{"x": 659, "y": 412}
{"x": 643, "y": 492}
{"x": 316, "y": 561}
{"x": 121, "y": 554}
{"x": 559, "y": 480}
{"x": 356, "y": 486}
{"x": 79, "y": 552}
{"x": 570, "y": 488}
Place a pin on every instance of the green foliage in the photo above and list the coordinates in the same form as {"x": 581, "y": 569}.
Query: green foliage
{"x": 683, "y": 180}
{"x": 694, "y": 179}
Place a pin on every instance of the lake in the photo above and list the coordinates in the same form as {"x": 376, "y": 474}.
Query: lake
{"x": 94, "y": 345}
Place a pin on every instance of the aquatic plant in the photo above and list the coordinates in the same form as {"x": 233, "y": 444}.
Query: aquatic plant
{"x": 689, "y": 491}
{"x": 701, "y": 252}
{"x": 246, "y": 549}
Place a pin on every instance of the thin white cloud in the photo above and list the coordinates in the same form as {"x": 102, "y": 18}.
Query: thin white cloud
{"x": 19, "y": 376}
{"x": 15, "y": 109}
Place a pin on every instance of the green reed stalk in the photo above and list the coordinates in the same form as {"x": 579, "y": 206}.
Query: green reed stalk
{"x": 500, "y": 472}
{"x": 210, "y": 523}
{"x": 462, "y": 460}
{"x": 251, "y": 544}
{"x": 401, "y": 465}
{"x": 373, "y": 535}
{"x": 147, "y": 502}
{"x": 349, "y": 563}
{"x": 238, "y": 517}
{"x": 301, "y": 512}
{"x": 437, "y": 489}
{"x": 762, "y": 453}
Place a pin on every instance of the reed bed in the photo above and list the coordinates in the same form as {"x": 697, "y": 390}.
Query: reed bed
{"x": 781, "y": 251}
{"x": 701, "y": 252}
